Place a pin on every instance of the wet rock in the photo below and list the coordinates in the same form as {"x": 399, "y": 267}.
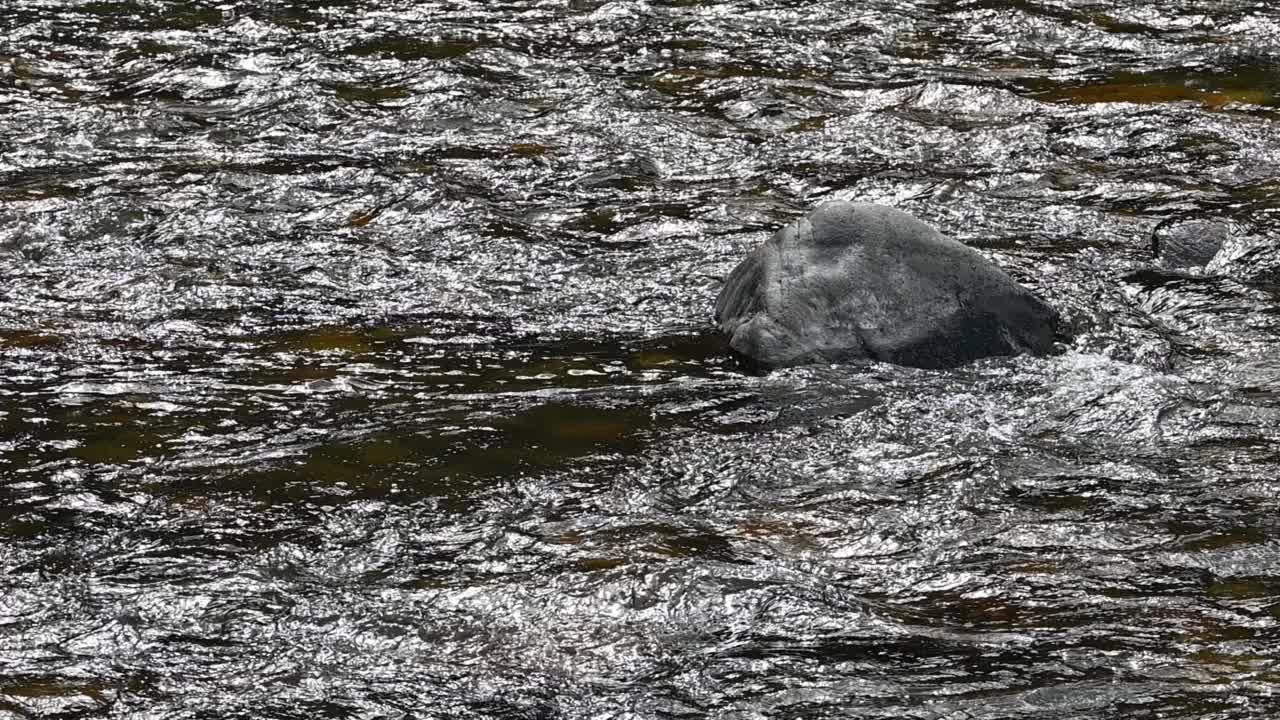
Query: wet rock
{"x": 1217, "y": 248}
{"x": 1185, "y": 243}
{"x": 857, "y": 281}
{"x": 1248, "y": 258}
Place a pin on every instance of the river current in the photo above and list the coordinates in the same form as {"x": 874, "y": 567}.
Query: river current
{"x": 356, "y": 361}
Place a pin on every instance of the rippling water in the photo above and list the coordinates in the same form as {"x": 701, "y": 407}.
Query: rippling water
{"x": 355, "y": 362}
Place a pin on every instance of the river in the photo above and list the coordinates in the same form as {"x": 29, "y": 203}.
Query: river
{"x": 356, "y": 361}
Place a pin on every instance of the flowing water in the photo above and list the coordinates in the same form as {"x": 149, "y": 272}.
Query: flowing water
{"x": 356, "y": 362}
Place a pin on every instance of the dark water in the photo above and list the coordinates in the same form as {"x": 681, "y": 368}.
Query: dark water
{"x": 355, "y": 363}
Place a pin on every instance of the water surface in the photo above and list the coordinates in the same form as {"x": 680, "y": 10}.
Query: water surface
{"x": 356, "y": 362}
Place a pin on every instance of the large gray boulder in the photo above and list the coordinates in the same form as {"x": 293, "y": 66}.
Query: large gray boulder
{"x": 855, "y": 281}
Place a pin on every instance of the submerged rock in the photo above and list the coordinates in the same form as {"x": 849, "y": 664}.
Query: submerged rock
{"x": 1248, "y": 259}
{"x": 1190, "y": 243}
{"x": 1219, "y": 248}
{"x": 856, "y": 281}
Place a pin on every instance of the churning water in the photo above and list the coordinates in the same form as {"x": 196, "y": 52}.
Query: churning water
{"x": 355, "y": 362}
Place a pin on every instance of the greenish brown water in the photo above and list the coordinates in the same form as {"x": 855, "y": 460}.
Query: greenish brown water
{"x": 356, "y": 362}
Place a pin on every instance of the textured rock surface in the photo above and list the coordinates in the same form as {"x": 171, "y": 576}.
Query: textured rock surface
{"x": 852, "y": 281}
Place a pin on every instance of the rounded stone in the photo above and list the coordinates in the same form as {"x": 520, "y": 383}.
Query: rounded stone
{"x": 1248, "y": 258}
{"x": 854, "y": 281}
{"x": 1190, "y": 243}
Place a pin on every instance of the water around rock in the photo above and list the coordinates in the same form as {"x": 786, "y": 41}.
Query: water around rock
{"x": 855, "y": 281}
{"x": 356, "y": 362}
{"x": 1190, "y": 243}
{"x": 1217, "y": 247}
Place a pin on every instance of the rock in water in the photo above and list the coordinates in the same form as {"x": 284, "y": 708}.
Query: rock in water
{"x": 1247, "y": 254}
{"x": 1182, "y": 243}
{"x": 1248, "y": 258}
{"x": 856, "y": 281}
